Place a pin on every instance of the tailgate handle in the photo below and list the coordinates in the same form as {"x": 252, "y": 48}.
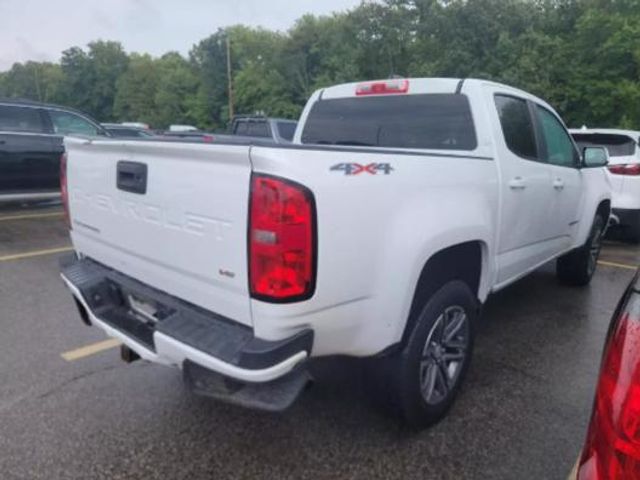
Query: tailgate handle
{"x": 132, "y": 177}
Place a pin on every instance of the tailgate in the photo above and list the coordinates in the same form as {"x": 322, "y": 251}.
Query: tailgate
{"x": 171, "y": 215}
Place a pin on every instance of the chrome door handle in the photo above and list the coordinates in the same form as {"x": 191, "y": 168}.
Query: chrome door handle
{"x": 517, "y": 183}
{"x": 558, "y": 184}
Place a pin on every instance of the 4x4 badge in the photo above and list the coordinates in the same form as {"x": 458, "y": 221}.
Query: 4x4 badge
{"x": 357, "y": 169}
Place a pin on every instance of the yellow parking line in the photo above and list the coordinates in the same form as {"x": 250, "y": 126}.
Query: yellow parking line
{"x": 28, "y": 216}
{"x": 92, "y": 349}
{"x": 618, "y": 265}
{"x": 37, "y": 253}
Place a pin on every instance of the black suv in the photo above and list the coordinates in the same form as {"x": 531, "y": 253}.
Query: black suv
{"x": 31, "y": 136}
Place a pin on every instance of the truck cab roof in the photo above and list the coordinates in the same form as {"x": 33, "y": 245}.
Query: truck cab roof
{"x": 416, "y": 86}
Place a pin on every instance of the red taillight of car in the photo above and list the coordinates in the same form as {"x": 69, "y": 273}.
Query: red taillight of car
{"x": 612, "y": 449}
{"x": 64, "y": 191}
{"x": 208, "y": 138}
{"x": 625, "y": 169}
{"x": 382, "y": 88}
{"x": 282, "y": 240}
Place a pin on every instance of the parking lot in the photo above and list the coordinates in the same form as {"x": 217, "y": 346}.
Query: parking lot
{"x": 69, "y": 408}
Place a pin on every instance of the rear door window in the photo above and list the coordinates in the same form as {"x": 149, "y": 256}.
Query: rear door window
{"x": 20, "y": 119}
{"x": 66, "y": 123}
{"x": 429, "y": 121}
{"x": 517, "y": 126}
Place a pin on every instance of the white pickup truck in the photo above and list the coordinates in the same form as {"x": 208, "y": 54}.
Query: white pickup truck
{"x": 399, "y": 207}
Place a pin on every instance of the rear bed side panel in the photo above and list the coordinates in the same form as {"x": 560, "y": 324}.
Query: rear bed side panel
{"x": 185, "y": 236}
{"x": 375, "y": 233}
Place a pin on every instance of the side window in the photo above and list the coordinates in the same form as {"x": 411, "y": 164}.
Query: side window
{"x": 20, "y": 119}
{"x": 65, "y": 123}
{"x": 287, "y": 130}
{"x": 560, "y": 149}
{"x": 517, "y": 126}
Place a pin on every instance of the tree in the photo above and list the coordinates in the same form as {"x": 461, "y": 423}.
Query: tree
{"x": 176, "y": 95}
{"x": 583, "y": 56}
{"x": 208, "y": 59}
{"x": 136, "y": 89}
{"x": 90, "y": 77}
{"x": 41, "y": 81}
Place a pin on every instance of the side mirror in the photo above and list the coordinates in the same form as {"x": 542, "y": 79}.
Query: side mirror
{"x": 595, "y": 157}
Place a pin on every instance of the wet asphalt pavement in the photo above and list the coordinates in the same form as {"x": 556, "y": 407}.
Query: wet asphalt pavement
{"x": 521, "y": 415}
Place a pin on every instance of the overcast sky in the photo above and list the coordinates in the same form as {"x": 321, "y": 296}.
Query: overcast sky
{"x": 42, "y": 29}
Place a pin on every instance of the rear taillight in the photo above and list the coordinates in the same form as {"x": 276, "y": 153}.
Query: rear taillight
{"x": 64, "y": 191}
{"x": 383, "y": 87}
{"x": 625, "y": 169}
{"x": 612, "y": 449}
{"x": 282, "y": 240}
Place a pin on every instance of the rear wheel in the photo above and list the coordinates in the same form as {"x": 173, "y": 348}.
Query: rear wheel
{"x": 578, "y": 266}
{"x": 426, "y": 375}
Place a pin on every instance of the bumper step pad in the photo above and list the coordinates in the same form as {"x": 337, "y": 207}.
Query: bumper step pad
{"x": 194, "y": 335}
{"x": 274, "y": 396}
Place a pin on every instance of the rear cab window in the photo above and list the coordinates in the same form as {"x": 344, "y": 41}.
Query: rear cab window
{"x": 241, "y": 128}
{"x": 439, "y": 121}
{"x": 20, "y": 119}
{"x": 252, "y": 128}
{"x": 258, "y": 129}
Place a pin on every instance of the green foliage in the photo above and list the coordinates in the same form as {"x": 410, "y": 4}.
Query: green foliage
{"x": 39, "y": 81}
{"x": 135, "y": 90}
{"x": 174, "y": 100}
{"x": 583, "y": 56}
{"x": 91, "y": 76}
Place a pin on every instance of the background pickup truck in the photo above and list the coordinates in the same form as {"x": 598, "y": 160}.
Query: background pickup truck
{"x": 379, "y": 232}
{"x": 279, "y": 130}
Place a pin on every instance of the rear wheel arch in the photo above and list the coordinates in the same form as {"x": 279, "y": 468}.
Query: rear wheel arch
{"x": 464, "y": 261}
{"x": 604, "y": 209}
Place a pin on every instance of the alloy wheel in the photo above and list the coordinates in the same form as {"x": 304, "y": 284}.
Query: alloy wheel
{"x": 443, "y": 354}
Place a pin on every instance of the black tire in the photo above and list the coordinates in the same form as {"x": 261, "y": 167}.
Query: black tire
{"x": 578, "y": 266}
{"x": 417, "y": 389}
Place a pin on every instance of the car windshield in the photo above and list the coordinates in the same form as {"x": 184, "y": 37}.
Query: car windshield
{"x": 618, "y": 145}
{"x": 435, "y": 121}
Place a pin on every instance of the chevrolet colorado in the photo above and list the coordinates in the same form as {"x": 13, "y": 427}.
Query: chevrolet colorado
{"x": 379, "y": 232}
